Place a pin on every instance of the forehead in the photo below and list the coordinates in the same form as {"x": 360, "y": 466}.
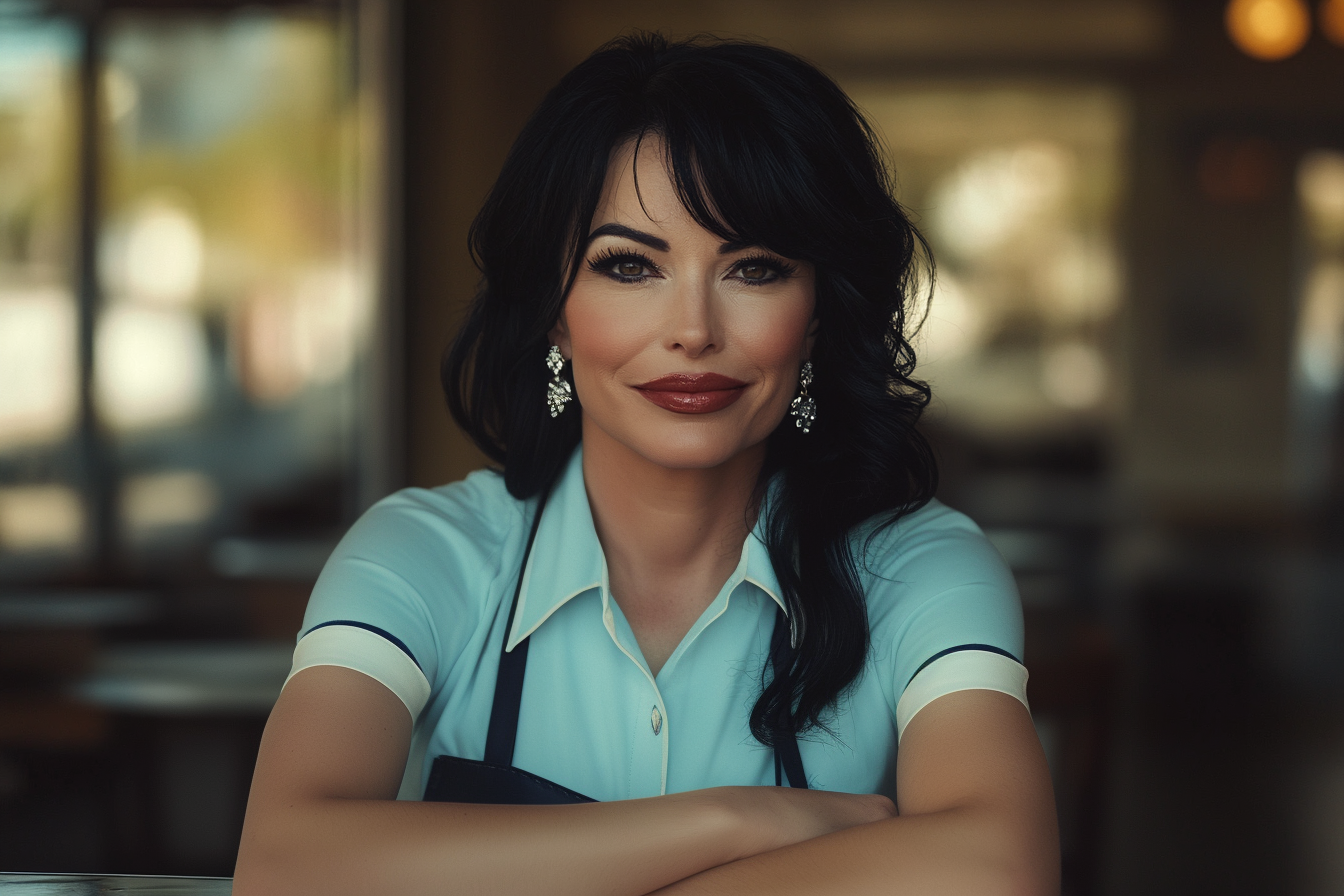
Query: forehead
{"x": 638, "y": 188}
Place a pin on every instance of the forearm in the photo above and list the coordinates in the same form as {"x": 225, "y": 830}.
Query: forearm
{"x": 336, "y": 846}
{"x": 978, "y": 817}
{"x": 321, "y": 818}
{"x": 954, "y": 852}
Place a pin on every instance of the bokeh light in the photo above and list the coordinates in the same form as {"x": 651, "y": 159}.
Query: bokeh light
{"x": 1073, "y": 375}
{"x": 1268, "y": 29}
{"x": 954, "y": 326}
{"x": 997, "y": 192}
{"x": 40, "y": 517}
{"x": 156, "y": 504}
{"x": 40, "y": 395}
{"x": 1320, "y": 190}
{"x": 1320, "y": 335}
{"x": 164, "y": 252}
{"x": 286, "y": 338}
{"x": 1332, "y": 20}
{"x": 151, "y": 366}
{"x": 120, "y": 93}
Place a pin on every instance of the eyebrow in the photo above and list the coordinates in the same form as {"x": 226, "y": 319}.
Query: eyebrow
{"x": 629, "y": 233}
{"x": 653, "y": 242}
{"x": 735, "y": 246}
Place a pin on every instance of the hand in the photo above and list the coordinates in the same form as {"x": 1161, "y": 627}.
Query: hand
{"x": 773, "y": 817}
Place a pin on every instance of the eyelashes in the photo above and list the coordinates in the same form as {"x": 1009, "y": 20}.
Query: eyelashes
{"x": 610, "y": 261}
{"x": 774, "y": 267}
{"x": 627, "y": 266}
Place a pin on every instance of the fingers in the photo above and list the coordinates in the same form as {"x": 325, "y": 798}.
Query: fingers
{"x": 812, "y": 813}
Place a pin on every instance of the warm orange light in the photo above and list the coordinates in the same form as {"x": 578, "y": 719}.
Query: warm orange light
{"x": 1268, "y": 29}
{"x": 1332, "y": 20}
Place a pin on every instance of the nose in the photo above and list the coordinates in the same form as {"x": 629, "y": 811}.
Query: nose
{"x": 692, "y": 319}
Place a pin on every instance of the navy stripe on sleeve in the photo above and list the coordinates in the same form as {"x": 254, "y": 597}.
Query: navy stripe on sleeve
{"x": 377, "y": 631}
{"x": 990, "y": 648}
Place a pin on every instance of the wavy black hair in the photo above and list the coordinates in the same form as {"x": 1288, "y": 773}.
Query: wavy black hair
{"x": 762, "y": 148}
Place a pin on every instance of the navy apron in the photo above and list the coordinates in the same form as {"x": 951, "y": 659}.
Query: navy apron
{"x": 495, "y": 780}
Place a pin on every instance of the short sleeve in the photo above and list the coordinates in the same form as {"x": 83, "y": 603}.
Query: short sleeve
{"x": 404, "y": 589}
{"x": 944, "y": 611}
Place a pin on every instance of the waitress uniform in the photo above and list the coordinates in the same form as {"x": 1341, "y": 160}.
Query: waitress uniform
{"x": 424, "y": 595}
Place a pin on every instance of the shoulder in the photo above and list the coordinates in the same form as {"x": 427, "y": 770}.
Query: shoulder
{"x": 943, "y": 609}
{"x": 415, "y": 571}
{"x": 933, "y": 581}
{"x": 932, "y": 549}
{"x": 469, "y": 518}
{"x": 420, "y": 554}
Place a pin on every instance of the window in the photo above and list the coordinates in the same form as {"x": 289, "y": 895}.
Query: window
{"x": 1016, "y": 187}
{"x": 191, "y": 334}
{"x": 1319, "y": 342}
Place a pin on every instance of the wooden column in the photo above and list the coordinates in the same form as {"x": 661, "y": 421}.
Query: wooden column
{"x": 473, "y": 71}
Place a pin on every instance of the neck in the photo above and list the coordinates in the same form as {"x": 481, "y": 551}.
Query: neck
{"x": 668, "y": 532}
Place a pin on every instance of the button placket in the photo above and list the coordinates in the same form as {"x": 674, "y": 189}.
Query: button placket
{"x": 650, "y": 758}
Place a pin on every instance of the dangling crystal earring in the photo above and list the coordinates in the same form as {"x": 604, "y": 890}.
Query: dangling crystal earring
{"x": 804, "y": 407}
{"x": 558, "y": 391}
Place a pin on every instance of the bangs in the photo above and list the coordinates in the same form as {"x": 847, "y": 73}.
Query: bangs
{"x": 756, "y": 159}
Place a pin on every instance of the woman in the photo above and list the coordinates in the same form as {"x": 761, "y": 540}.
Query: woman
{"x": 712, "y": 544}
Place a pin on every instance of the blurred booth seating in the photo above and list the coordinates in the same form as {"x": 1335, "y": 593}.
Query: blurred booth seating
{"x": 52, "y": 744}
{"x": 1052, "y": 527}
{"x": 1074, "y": 669}
{"x": 46, "y": 641}
{"x": 135, "y": 754}
{"x": 189, "y": 716}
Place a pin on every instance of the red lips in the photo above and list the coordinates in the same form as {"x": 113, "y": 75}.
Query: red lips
{"x": 693, "y": 393}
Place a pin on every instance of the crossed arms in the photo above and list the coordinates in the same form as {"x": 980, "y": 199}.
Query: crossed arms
{"x": 976, "y": 816}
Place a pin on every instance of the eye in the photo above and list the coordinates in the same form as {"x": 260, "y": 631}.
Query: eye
{"x": 623, "y": 266}
{"x": 762, "y": 269}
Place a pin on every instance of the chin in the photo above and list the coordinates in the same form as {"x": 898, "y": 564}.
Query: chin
{"x": 688, "y": 454}
{"x": 682, "y": 448}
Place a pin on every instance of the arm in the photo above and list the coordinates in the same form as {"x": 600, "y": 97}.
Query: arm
{"x": 322, "y": 818}
{"x": 977, "y": 816}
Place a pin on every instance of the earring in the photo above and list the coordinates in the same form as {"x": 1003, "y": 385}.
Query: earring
{"x": 558, "y": 391}
{"x": 804, "y": 407}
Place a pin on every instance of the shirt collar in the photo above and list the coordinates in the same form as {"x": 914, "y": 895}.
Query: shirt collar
{"x": 567, "y": 559}
{"x": 759, "y": 570}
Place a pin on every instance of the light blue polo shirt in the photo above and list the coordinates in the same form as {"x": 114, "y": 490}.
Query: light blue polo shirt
{"x": 417, "y": 596}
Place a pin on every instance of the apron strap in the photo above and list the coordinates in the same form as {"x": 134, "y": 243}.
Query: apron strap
{"x": 788, "y": 760}
{"x": 503, "y": 730}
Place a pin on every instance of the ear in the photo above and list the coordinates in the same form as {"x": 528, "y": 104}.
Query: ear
{"x": 810, "y": 339}
{"x": 559, "y": 335}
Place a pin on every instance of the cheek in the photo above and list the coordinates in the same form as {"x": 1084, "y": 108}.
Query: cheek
{"x": 777, "y": 338}
{"x": 602, "y": 335}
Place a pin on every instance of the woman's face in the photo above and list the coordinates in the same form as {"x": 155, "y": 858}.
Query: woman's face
{"x": 685, "y": 349}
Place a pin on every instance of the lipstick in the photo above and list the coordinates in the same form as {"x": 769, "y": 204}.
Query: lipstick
{"x": 693, "y": 393}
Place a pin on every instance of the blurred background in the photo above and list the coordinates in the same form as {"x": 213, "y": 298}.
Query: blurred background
{"x": 232, "y": 249}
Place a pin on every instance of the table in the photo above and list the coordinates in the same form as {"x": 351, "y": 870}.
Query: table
{"x": 18, "y": 884}
{"x": 186, "y": 678}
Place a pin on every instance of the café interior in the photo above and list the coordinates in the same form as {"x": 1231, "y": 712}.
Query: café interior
{"x": 233, "y": 249}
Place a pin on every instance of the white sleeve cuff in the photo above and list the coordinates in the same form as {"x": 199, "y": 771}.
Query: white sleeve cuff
{"x": 961, "y": 670}
{"x": 368, "y": 652}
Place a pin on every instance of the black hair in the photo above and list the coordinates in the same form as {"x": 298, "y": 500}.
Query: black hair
{"x": 762, "y": 148}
